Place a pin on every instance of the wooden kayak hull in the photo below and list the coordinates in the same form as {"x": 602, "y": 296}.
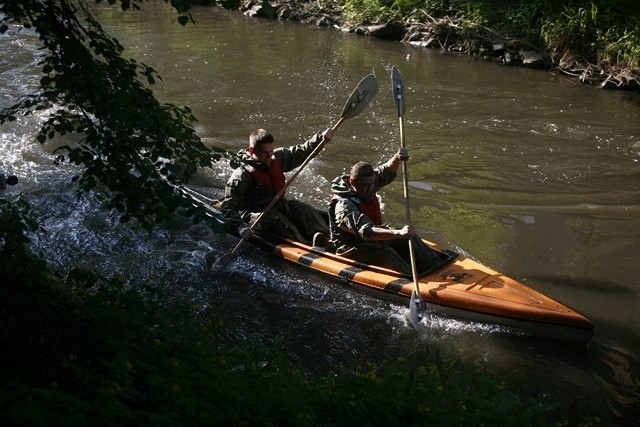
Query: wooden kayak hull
{"x": 460, "y": 287}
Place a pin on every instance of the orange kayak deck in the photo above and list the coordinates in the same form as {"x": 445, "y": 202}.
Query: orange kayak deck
{"x": 460, "y": 287}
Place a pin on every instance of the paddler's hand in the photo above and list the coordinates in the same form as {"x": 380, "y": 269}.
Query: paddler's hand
{"x": 327, "y": 135}
{"x": 402, "y": 154}
{"x": 245, "y": 232}
{"x": 396, "y": 160}
{"x": 406, "y": 232}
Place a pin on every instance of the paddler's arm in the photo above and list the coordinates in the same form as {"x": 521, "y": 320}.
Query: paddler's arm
{"x": 387, "y": 173}
{"x": 381, "y": 233}
{"x": 393, "y": 164}
{"x": 350, "y": 218}
{"x": 292, "y": 157}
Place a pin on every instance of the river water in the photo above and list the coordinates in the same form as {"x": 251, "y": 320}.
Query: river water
{"x": 529, "y": 172}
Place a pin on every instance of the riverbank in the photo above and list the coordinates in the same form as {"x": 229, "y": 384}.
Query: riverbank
{"x": 456, "y": 33}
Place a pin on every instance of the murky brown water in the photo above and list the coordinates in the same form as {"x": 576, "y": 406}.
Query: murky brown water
{"x": 529, "y": 172}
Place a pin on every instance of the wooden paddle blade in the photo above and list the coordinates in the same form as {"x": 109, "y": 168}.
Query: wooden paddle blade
{"x": 222, "y": 262}
{"x": 417, "y": 309}
{"x": 225, "y": 259}
{"x": 397, "y": 83}
{"x": 360, "y": 97}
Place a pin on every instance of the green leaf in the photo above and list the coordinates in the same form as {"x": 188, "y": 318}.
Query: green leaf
{"x": 87, "y": 88}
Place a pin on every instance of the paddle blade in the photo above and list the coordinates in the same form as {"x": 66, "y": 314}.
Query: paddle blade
{"x": 360, "y": 97}
{"x": 222, "y": 262}
{"x": 397, "y": 83}
{"x": 417, "y": 309}
{"x": 225, "y": 259}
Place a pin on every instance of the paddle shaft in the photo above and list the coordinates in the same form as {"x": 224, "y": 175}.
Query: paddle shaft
{"x": 277, "y": 197}
{"x": 405, "y": 182}
{"x": 357, "y": 101}
{"x": 397, "y": 83}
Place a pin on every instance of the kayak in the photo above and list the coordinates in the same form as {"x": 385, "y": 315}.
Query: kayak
{"x": 458, "y": 287}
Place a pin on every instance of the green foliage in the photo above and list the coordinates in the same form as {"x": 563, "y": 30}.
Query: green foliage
{"x": 386, "y": 10}
{"x": 621, "y": 46}
{"x": 129, "y": 144}
{"x": 574, "y": 29}
{"x": 366, "y": 11}
{"x": 597, "y": 30}
{"x": 16, "y": 260}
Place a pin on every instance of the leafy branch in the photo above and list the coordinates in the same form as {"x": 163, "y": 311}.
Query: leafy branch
{"x": 130, "y": 146}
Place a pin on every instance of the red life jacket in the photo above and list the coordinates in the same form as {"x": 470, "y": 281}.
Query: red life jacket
{"x": 272, "y": 178}
{"x": 371, "y": 209}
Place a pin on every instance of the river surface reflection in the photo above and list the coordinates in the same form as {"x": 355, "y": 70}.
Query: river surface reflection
{"x": 524, "y": 170}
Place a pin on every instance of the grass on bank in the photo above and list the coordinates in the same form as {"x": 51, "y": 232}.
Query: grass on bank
{"x": 605, "y": 32}
{"x": 83, "y": 350}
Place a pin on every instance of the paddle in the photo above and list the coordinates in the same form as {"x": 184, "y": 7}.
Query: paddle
{"x": 417, "y": 307}
{"x": 358, "y": 100}
{"x": 203, "y": 201}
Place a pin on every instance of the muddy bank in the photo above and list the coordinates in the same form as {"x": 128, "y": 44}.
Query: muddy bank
{"x": 422, "y": 30}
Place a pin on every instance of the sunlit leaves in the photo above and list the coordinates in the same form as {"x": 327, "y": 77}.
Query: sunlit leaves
{"x": 88, "y": 89}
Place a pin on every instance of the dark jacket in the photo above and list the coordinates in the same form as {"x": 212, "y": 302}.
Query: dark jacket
{"x": 347, "y": 223}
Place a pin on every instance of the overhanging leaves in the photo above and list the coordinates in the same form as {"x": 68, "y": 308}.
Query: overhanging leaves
{"x": 126, "y": 136}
